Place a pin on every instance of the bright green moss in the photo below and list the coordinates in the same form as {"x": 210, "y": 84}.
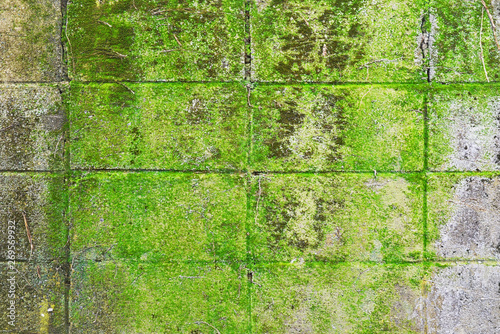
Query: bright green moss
{"x": 336, "y": 40}
{"x": 129, "y": 297}
{"x": 318, "y": 128}
{"x": 158, "y": 216}
{"x": 336, "y": 217}
{"x": 464, "y": 130}
{"x": 463, "y": 47}
{"x": 43, "y": 200}
{"x": 159, "y": 126}
{"x": 347, "y": 298}
{"x": 155, "y": 40}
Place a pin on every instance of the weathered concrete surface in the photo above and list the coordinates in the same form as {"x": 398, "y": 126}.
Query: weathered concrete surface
{"x": 158, "y": 216}
{"x": 343, "y": 128}
{"x": 464, "y": 216}
{"x": 464, "y": 128}
{"x": 159, "y": 126}
{"x": 336, "y": 40}
{"x": 463, "y": 299}
{"x": 465, "y": 49}
{"x": 42, "y": 199}
{"x": 134, "y": 297}
{"x": 30, "y": 41}
{"x": 32, "y": 127}
{"x": 336, "y": 217}
{"x": 38, "y": 295}
{"x": 156, "y": 41}
{"x": 342, "y": 298}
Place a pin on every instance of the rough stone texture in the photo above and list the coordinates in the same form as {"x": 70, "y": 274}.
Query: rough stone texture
{"x": 130, "y": 297}
{"x": 464, "y": 128}
{"x": 345, "y": 298}
{"x": 32, "y": 127}
{"x": 464, "y": 47}
{"x": 156, "y": 40}
{"x": 464, "y": 218}
{"x": 343, "y": 217}
{"x": 39, "y": 298}
{"x": 43, "y": 200}
{"x": 362, "y": 128}
{"x": 337, "y": 40}
{"x": 159, "y": 126}
{"x": 30, "y": 41}
{"x": 158, "y": 216}
{"x": 464, "y": 298}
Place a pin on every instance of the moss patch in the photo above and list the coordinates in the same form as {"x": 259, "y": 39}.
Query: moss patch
{"x": 158, "y": 216}
{"x": 159, "y": 126}
{"x": 336, "y": 217}
{"x": 156, "y": 40}
{"x": 318, "y": 128}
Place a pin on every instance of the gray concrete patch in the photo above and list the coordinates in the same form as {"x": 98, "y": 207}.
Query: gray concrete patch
{"x": 32, "y": 128}
{"x": 30, "y": 41}
{"x": 473, "y": 228}
{"x": 464, "y": 299}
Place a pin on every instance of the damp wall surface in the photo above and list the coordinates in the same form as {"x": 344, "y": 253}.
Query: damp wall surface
{"x": 250, "y": 166}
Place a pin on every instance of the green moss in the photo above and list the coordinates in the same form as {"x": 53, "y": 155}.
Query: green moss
{"x": 158, "y": 216}
{"x": 336, "y": 217}
{"x": 159, "y": 126}
{"x": 348, "y": 298}
{"x": 155, "y": 40}
{"x": 457, "y": 54}
{"x": 318, "y": 128}
{"x": 132, "y": 297}
{"x": 336, "y": 40}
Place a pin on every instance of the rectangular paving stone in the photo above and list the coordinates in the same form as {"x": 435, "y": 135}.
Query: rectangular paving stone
{"x": 30, "y": 41}
{"x": 41, "y": 199}
{"x": 325, "y": 128}
{"x": 159, "y": 126}
{"x": 463, "y": 298}
{"x": 32, "y": 127}
{"x": 336, "y": 217}
{"x": 158, "y": 216}
{"x": 464, "y": 128}
{"x": 462, "y": 41}
{"x": 337, "y": 41}
{"x": 156, "y": 40}
{"x": 463, "y": 216}
{"x": 131, "y": 297}
{"x": 345, "y": 298}
{"x": 32, "y": 298}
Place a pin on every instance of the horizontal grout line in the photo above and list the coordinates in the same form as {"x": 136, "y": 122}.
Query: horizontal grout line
{"x": 263, "y": 83}
{"x": 237, "y": 172}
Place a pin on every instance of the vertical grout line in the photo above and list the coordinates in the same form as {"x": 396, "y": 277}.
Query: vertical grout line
{"x": 248, "y": 79}
{"x": 67, "y": 168}
{"x": 248, "y": 42}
